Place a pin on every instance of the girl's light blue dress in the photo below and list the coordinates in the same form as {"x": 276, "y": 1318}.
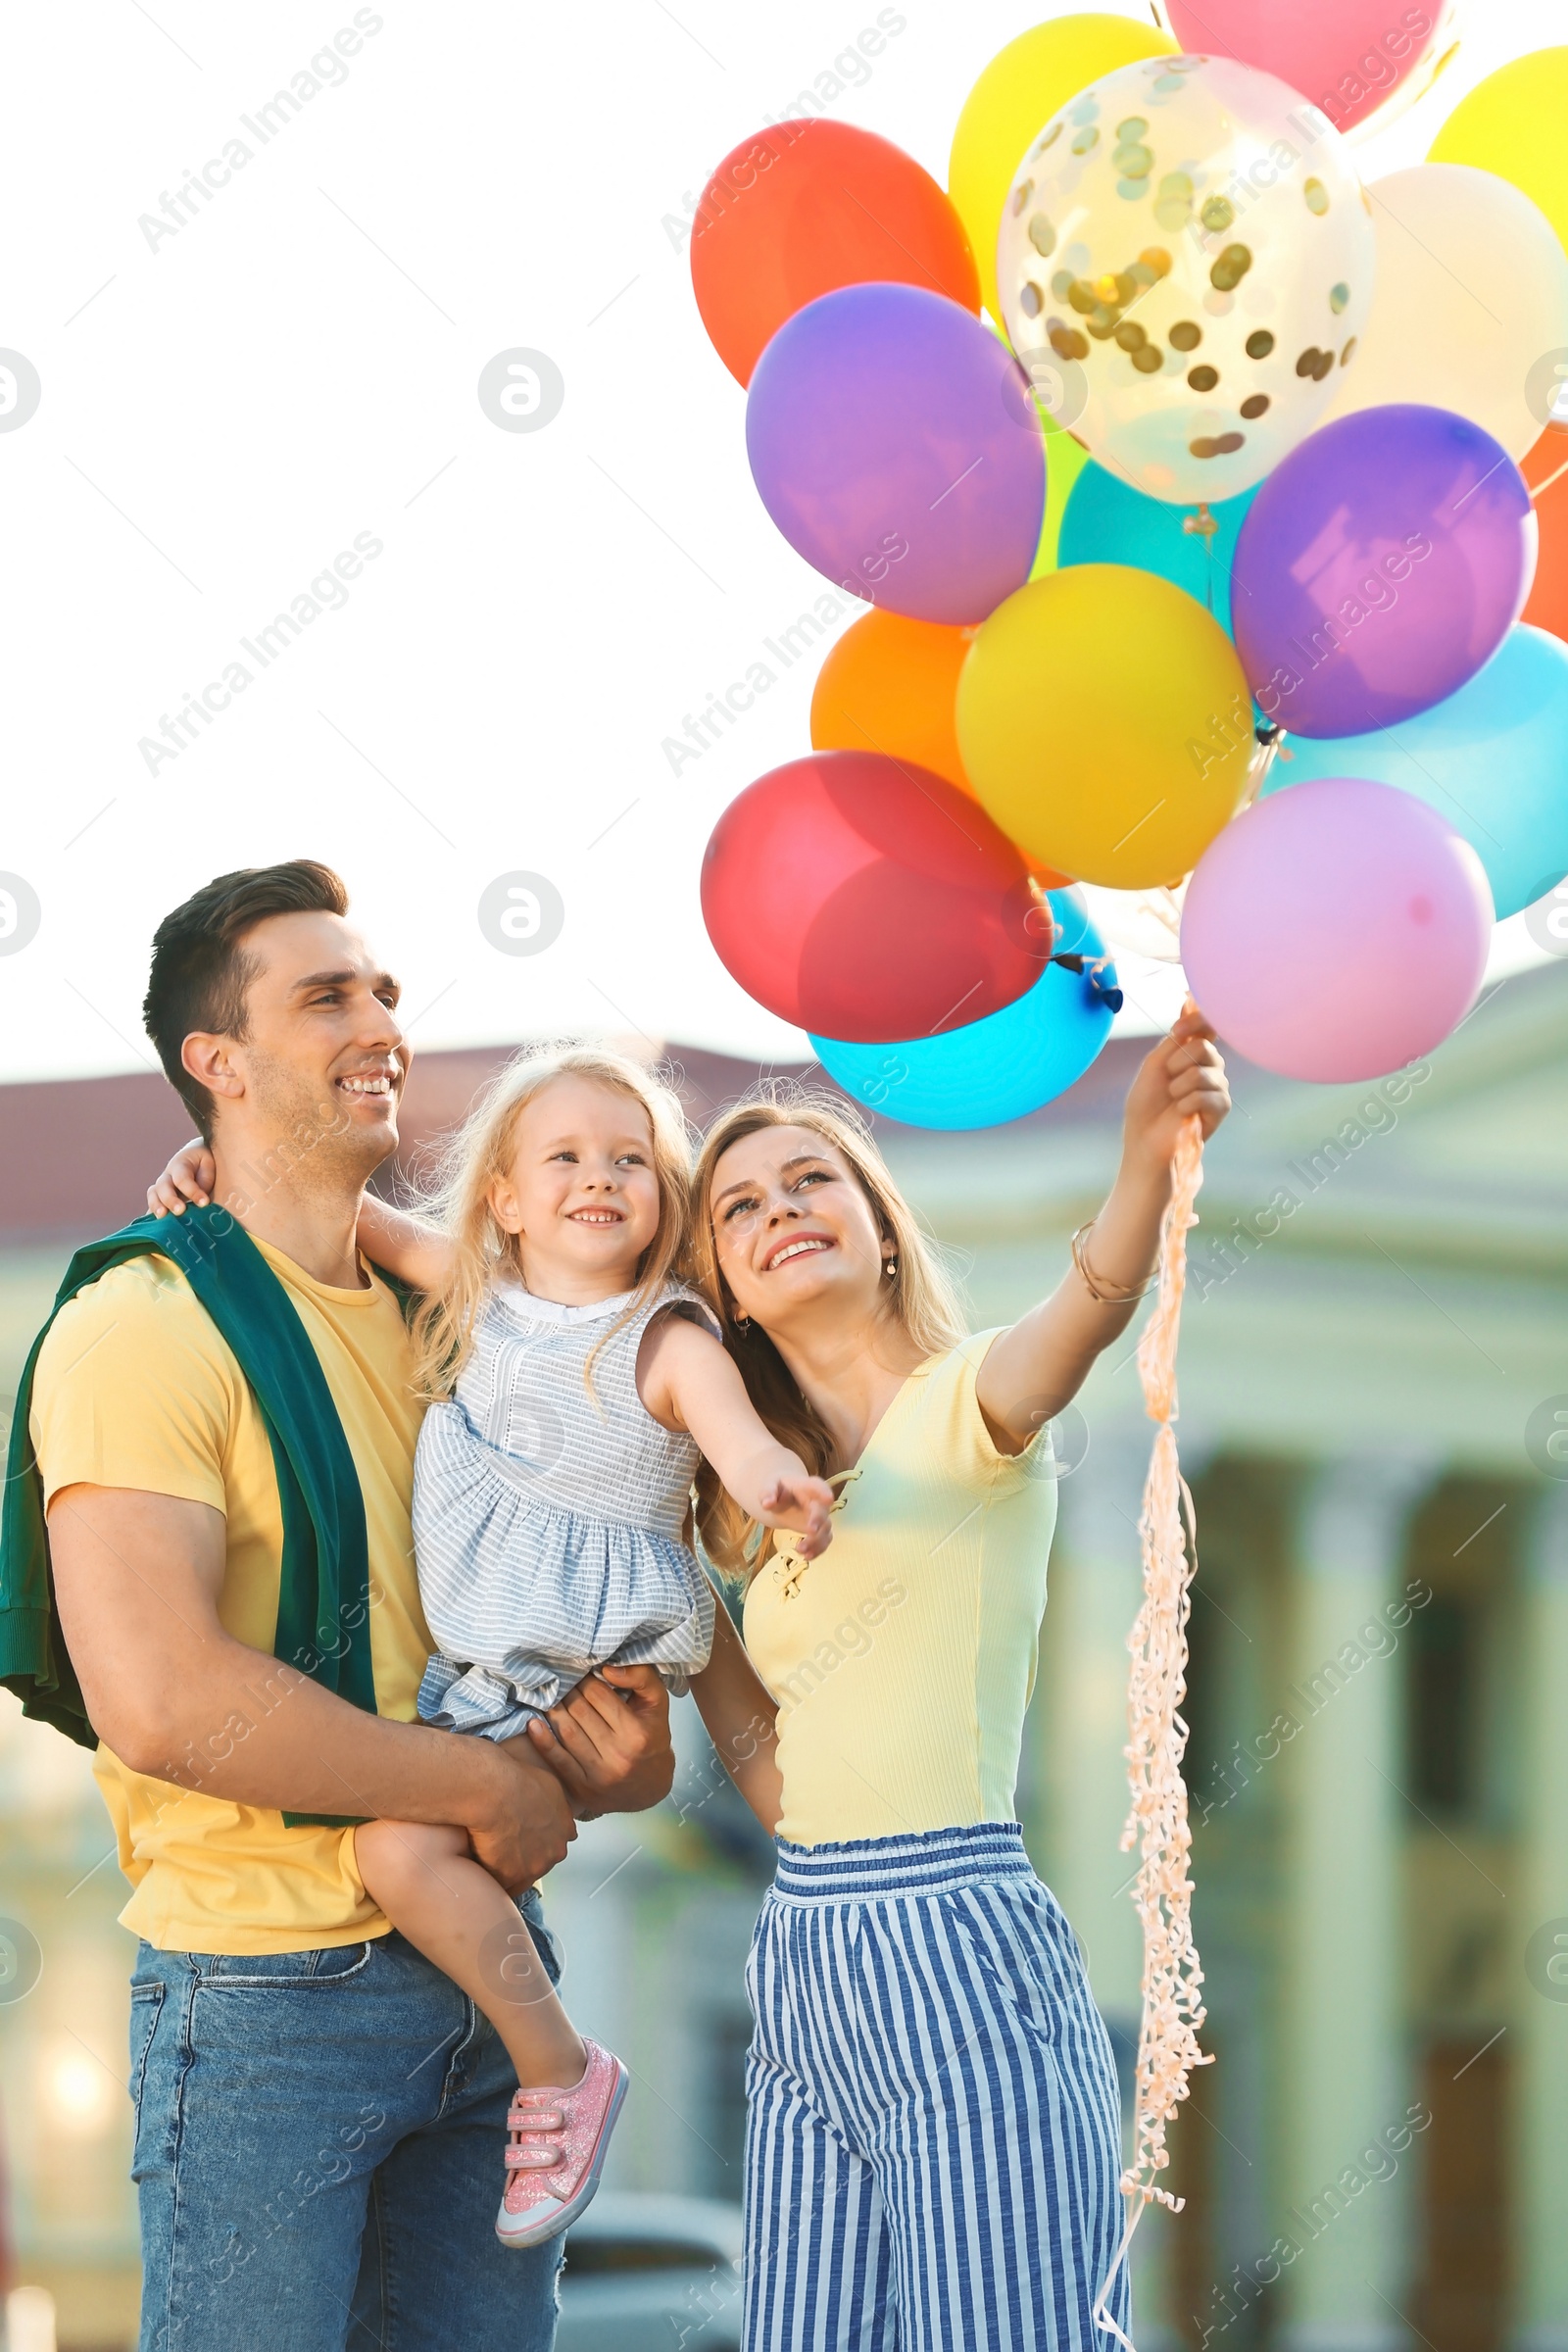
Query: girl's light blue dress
{"x": 549, "y": 1519}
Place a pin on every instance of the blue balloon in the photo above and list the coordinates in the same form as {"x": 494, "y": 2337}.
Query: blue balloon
{"x": 1492, "y": 760}
{"x": 1108, "y": 522}
{"x": 997, "y": 1069}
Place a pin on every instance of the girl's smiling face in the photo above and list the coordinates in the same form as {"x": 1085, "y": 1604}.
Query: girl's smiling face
{"x": 794, "y": 1231}
{"x": 580, "y": 1192}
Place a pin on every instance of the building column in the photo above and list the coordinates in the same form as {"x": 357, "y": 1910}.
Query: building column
{"x": 1096, "y": 1589}
{"x": 1344, "y": 2068}
{"x": 1538, "y": 2066}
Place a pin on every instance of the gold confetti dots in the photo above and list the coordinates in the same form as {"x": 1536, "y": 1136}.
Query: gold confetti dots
{"x": 1133, "y": 128}
{"x": 1256, "y": 405}
{"x": 1203, "y": 379}
{"x": 1041, "y": 236}
{"x": 1081, "y": 294}
{"x": 1173, "y": 203}
{"x": 1130, "y": 335}
{"x": 1217, "y": 445}
{"x": 1339, "y": 296}
{"x": 1102, "y": 322}
{"x": 1217, "y": 214}
{"x": 1347, "y": 353}
{"x": 1155, "y": 258}
{"x": 1317, "y": 197}
{"x": 1085, "y": 138}
{"x": 1148, "y": 360}
{"x": 1260, "y": 344}
{"x": 1132, "y": 160}
{"x": 1315, "y": 362}
{"x": 1230, "y": 267}
{"x": 1030, "y": 300}
{"x": 1185, "y": 335}
{"x": 1061, "y": 284}
{"x": 1049, "y": 139}
{"x": 1108, "y": 287}
{"x": 1066, "y": 342}
{"x": 1021, "y": 196}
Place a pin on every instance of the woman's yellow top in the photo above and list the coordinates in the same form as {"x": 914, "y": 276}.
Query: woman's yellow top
{"x": 903, "y": 1660}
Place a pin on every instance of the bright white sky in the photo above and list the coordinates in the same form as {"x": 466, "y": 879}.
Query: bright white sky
{"x": 298, "y": 365}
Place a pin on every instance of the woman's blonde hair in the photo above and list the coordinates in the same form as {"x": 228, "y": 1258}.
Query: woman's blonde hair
{"x": 478, "y": 1156}
{"x": 922, "y": 1297}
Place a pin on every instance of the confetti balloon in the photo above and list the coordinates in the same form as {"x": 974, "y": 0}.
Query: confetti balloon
{"x": 1337, "y": 931}
{"x": 870, "y": 899}
{"x": 1472, "y": 290}
{"x": 1189, "y": 244}
{"x": 1344, "y": 54}
{"x": 1023, "y": 87}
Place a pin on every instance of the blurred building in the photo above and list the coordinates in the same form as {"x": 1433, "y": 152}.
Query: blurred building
{"x": 1375, "y": 1426}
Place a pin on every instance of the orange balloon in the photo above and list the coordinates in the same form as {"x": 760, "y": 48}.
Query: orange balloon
{"x": 1547, "y": 608}
{"x": 889, "y": 686}
{"x": 802, "y": 208}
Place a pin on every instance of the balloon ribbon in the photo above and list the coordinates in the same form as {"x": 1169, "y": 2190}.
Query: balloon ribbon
{"x": 1172, "y": 2012}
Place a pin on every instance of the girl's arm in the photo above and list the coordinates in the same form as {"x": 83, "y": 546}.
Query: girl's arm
{"x": 413, "y": 1252}
{"x": 688, "y": 1382}
{"x": 742, "y": 1721}
{"x": 1038, "y": 1366}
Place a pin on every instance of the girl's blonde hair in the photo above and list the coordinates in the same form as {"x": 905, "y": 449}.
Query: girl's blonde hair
{"x": 922, "y": 1297}
{"x": 480, "y": 1155}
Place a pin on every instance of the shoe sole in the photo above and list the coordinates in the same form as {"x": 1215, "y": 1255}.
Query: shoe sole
{"x": 587, "y": 2187}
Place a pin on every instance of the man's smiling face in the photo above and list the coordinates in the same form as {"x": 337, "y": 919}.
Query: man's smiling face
{"x": 322, "y": 1048}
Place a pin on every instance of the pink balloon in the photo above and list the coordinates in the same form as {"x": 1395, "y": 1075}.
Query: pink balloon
{"x": 1337, "y": 931}
{"x": 1345, "y": 55}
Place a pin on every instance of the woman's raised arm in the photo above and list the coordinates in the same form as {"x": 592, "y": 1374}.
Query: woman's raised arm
{"x": 1038, "y": 1366}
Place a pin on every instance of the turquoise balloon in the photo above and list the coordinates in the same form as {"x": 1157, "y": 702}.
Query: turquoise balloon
{"x": 1108, "y": 522}
{"x": 997, "y": 1069}
{"x": 1492, "y": 760}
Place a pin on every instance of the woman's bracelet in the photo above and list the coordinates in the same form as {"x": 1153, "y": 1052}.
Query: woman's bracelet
{"x": 1113, "y": 1294}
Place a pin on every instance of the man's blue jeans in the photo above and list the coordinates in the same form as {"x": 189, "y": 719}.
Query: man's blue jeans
{"x": 319, "y": 2142}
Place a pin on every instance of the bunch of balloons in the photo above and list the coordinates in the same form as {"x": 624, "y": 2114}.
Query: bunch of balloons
{"x": 1196, "y": 490}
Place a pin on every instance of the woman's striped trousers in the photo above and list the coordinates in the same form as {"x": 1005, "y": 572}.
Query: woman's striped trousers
{"x": 934, "y": 2127}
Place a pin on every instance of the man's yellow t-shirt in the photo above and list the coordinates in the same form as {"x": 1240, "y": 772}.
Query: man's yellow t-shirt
{"x": 135, "y": 1388}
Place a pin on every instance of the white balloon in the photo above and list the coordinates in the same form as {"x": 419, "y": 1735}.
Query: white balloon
{"x": 1185, "y": 265}
{"x": 1471, "y": 294}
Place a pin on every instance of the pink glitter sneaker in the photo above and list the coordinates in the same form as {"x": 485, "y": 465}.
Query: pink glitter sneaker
{"x": 556, "y": 2151}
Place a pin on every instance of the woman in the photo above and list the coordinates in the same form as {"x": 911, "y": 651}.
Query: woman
{"x": 933, "y": 2146}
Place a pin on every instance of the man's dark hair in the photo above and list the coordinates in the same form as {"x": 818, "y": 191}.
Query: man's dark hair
{"x": 200, "y": 974}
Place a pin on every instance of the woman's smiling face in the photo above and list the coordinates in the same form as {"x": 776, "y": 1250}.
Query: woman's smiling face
{"x": 793, "y": 1228}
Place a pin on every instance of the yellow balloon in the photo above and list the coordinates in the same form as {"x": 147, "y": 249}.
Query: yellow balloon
{"x": 1013, "y": 100}
{"x": 1511, "y": 124}
{"x": 1105, "y": 722}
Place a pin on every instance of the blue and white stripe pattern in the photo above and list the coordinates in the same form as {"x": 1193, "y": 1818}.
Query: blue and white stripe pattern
{"x": 548, "y": 1517}
{"x": 933, "y": 2146}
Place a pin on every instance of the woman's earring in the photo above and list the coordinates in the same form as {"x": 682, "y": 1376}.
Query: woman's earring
{"x": 742, "y": 1322}
{"x": 892, "y": 1268}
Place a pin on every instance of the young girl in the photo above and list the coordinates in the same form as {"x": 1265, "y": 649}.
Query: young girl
{"x": 574, "y": 1382}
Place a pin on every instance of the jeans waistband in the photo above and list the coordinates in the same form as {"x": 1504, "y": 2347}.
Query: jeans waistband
{"x": 922, "y": 1862}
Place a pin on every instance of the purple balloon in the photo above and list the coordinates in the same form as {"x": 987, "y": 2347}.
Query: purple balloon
{"x": 1381, "y": 566}
{"x": 896, "y": 446}
{"x": 1337, "y": 931}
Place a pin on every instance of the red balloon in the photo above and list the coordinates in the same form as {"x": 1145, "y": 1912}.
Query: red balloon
{"x": 865, "y": 898}
{"x": 805, "y": 208}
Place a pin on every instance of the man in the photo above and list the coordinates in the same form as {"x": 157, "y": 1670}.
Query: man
{"x": 319, "y": 2113}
